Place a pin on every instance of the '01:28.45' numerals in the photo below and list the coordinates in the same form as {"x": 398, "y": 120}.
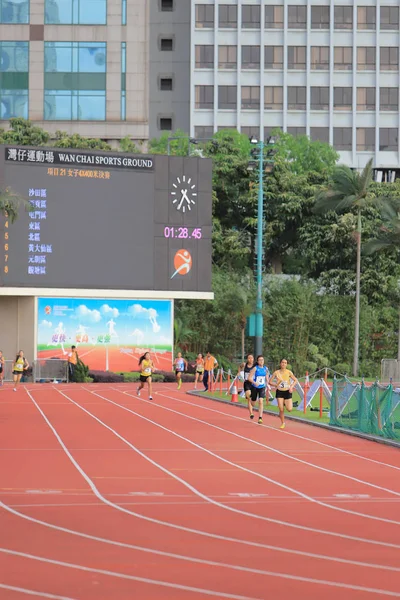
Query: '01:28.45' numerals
{"x": 182, "y": 233}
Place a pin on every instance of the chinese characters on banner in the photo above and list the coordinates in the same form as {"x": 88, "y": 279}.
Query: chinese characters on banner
{"x": 34, "y": 156}
{"x": 37, "y": 249}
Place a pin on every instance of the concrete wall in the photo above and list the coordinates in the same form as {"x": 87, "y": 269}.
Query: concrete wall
{"x": 175, "y": 103}
{"x": 18, "y": 326}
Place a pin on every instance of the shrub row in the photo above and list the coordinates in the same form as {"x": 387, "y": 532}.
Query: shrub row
{"x": 133, "y": 376}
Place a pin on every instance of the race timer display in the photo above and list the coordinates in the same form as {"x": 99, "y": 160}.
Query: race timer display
{"x": 106, "y": 221}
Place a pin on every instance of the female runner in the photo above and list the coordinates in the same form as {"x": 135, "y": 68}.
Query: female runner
{"x": 258, "y": 378}
{"x": 20, "y": 365}
{"x": 146, "y": 369}
{"x": 180, "y": 366}
{"x": 199, "y": 370}
{"x": 285, "y": 382}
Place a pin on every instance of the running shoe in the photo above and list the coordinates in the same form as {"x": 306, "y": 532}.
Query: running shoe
{"x": 260, "y": 421}
{"x": 179, "y": 385}
{"x": 150, "y": 397}
{"x": 138, "y": 391}
{"x": 251, "y": 416}
{"x": 282, "y": 426}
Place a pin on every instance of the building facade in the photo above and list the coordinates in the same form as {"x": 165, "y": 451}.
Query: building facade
{"x": 329, "y": 69}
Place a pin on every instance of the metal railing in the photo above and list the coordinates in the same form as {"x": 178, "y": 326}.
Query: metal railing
{"x": 45, "y": 369}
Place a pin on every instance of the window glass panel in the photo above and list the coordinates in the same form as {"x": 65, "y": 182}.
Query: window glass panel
{"x": 274, "y": 17}
{"x": 343, "y": 57}
{"x": 204, "y": 95}
{"x": 320, "y": 98}
{"x": 227, "y": 57}
{"x": 342, "y": 138}
{"x": 366, "y": 17}
{"x": 319, "y": 134}
{"x": 342, "y": 98}
{"x": 250, "y": 57}
{"x": 227, "y": 97}
{"x": 389, "y": 99}
{"x": 320, "y": 17}
{"x": 389, "y": 59}
{"x": 297, "y": 17}
{"x": 203, "y": 131}
{"x": 204, "y": 57}
{"x": 365, "y": 98}
{"x": 296, "y": 98}
{"x": 14, "y": 11}
{"x": 366, "y": 58}
{"x": 228, "y": 16}
{"x": 343, "y": 17}
{"x": 79, "y": 12}
{"x": 296, "y": 57}
{"x": 204, "y": 16}
{"x": 251, "y": 16}
{"x": 273, "y": 97}
{"x": 295, "y": 131}
{"x": 14, "y": 79}
{"x": 390, "y": 18}
{"x": 388, "y": 137}
{"x": 320, "y": 58}
{"x": 251, "y": 97}
{"x": 273, "y": 57}
{"x": 365, "y": 139}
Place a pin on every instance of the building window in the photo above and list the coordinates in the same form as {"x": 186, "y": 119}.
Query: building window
{"x": 366, "y": 58}
{"x": 366, "y": 98}
{"x": 227, "y": 97}
{"x": 228, "y": 16}
{"x": 75, "y": 12}
{"x": 166, "y": 44}
{"x": 166, "y": 84}
{"x": 320, "y": 58}
{"x": 388, "y": 138}
{"x": 342, "y": 138}
{"x": 14, "y": 11}
{"x": 251, "y": 131}
{"x": 273, "y": 97}
{"x": 389, "y": 59}
{"x": 297, "y": 57}
{"x": 204, "y": 16}
{"x": 75, "y": 81}
{"x": 319, "y": 17}
{"x": 343, "y": 58}
{"x": 273, "y": 57}
{"x": 250, "y": 57}
{"x": 319, "y": 134}
{"x": 319, "y": 98}
{"x": 165, "y": 123}
{"x": 274, "y": 17}
{"x": 203, "y": 132}
{"x": 365, "y": 139}
{"x": 123, "y": 81}
{"x": 167, "y": 5}
{"x": 204, "y": 57}
{"x": 389, "y": 98}
{"x": 251, "y": 97}
{"x": 297, "y": 17}
{"x": 343, "y": 17}
{"x": 342, "y": 98}
{"x": 14, "y": 79}
{"x": 366, "y": 17}
{"x": 251, "y": 16}
{"x": 296, "y": 131}
{"x": 123, "y": 12}
{"x": 227, "y": 57}
{"x": 390, "y": 18}
{"x": 204, "y": 96}
{"x": 296, "y": 98}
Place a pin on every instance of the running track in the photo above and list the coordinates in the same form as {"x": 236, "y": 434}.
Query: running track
{"x": 107, "y": 496}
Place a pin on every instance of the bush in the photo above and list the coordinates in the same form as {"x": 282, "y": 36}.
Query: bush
{"x": 105, "y": 377}
{"x": 81, "y": 373}
{"x": 343, "y": 369}
{"x": 309, "y": 366}
{"x": 134, "y": 377}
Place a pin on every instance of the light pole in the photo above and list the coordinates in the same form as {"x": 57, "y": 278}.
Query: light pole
{"x": 266, "y": 166}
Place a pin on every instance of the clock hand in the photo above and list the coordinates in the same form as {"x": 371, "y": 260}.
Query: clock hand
{"x": 184, "y": 197}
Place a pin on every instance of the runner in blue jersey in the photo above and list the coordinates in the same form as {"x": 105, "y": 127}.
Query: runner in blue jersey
{"x": 259, "y": 377}
{"x": 180, "y": 367}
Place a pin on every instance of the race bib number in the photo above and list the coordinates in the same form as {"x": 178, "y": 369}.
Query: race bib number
{"x": 147, "y": 370}
{"x": 260, "y": 381}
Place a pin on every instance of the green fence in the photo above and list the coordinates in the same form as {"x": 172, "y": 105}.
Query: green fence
{"x": 373, "y": 409}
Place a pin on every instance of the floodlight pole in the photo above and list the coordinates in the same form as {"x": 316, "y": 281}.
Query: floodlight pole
{"x": 258, "y": 342}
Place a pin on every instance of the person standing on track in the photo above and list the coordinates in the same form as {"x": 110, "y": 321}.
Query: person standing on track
{"x": 2, "y": 366}
{"x": 210, "y": 363}
{"x": 72, "y": 362}
{"x": 20, "y": 365}
{"x": 258, "y": 377}
{"x": 180, "y": 367}
{"x": 146, "y": 370}
{"x": 284, "y": 383}
{"x": 199, "y": 370}
{"x": 245, "y": 370}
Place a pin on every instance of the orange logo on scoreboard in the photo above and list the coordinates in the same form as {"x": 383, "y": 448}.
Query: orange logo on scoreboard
{"x": 47, "y": 310}
{"x": 182, "y": 262}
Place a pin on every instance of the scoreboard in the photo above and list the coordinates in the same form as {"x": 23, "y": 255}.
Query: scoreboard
{"x": 107, "y": 221}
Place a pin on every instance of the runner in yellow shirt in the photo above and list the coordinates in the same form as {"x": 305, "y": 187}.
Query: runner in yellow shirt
{"x": 20, "y": 365}
{"x": 284, "y": 384}
{"x": 146, "y": 370}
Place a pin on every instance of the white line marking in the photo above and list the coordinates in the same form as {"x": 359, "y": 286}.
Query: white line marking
{"x": 175, "y": 586}
{"x": 13, "y": 588}
{"x": 198, "y": 493}
{"x": 301, "y": 437}
{"x": 363, "y": 496}
{"x": 240, "y": 467}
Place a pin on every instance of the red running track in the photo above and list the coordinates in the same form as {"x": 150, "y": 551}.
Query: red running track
{"x": 108, "y": 496}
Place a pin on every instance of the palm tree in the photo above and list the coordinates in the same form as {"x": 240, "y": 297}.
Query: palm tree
{"x": 11, "y": 204}
{"x": 349, "y": 190}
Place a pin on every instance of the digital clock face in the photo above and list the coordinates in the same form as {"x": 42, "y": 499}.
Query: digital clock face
{"x": 183, "y": 233}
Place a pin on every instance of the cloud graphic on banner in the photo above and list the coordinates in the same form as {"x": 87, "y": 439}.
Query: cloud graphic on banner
{"x": 138, "y": 335}
{"x": 45, "y": 323}
{"x": 86, "y": 314}
{"x": 105, "y": 309}
{"x": 136, "y": 310}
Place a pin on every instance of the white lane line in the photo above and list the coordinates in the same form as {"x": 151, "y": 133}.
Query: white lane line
{"x": 198, "y": 493}
{"x": 13, "y": 588}
{"x": 295, "y": 458}
{"x": 117, "y": 575}
{"x": 199, "y": 590}
{"x": 240, "y": 467}
{"x": 286, "y": 432}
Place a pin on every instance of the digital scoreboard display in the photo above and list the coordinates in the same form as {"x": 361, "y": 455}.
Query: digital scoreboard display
{"x": 108, "y": 221}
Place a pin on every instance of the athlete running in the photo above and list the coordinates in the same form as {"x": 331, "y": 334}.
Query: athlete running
{"x": 20, "y": 365}
{"x": 180, "y": 367}
{"x": 258, "y": 377}
{"x": 244, "y": 370}
{"x": 284, "y": 384}
{"x": 146, "y": 369}
{"x": 199, "y": 370}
